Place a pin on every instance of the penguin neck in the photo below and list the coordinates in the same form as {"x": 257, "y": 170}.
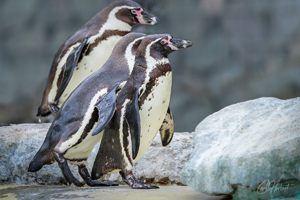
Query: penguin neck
{"x": 129, "y": 55}
{"x": 151, "y": 61}
{"x": 113, "y": 23}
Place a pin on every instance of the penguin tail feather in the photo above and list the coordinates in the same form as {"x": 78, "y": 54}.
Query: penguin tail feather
{"x": 40, "y": 160}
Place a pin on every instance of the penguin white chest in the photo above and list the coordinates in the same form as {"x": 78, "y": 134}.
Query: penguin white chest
{"x": 153, "y": 111}
{"x": 79, "y": 146}
{"x": 89, "y": 64}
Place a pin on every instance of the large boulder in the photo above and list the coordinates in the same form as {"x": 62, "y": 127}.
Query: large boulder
{"x": 250, "y": 150}
{"x": 19, "y": 144}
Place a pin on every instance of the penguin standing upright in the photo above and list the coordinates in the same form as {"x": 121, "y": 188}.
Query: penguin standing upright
{"x": 78, "y": 125}
{"x": 141, "y": 110}
{"x": 88, "y": 49}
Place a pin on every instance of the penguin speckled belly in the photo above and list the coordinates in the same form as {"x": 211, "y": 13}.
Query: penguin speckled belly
{"x": 88, "y": 49}
{"x": 141, "y": 110}
{"x": 78, "y": 125}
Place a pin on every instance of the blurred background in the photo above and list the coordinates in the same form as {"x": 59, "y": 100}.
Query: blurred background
{"x": 242, "y": 50}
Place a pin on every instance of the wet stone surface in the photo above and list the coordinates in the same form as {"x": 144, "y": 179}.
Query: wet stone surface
{"x": 24, "y": 192}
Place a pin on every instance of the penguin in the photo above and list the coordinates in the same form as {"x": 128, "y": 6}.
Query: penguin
{"x": 79, "y": 123}
{"x": 88, "y": 49}
{"x": 142, "y": 109}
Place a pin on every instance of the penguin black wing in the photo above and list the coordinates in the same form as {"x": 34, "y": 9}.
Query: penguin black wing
{"x": 167, "y": 129}
{"x": 69, "y": 67}
{"x": 106, "y": 108}
{"x": 132, "y": 117}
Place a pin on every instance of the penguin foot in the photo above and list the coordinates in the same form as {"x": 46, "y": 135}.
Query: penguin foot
{"x": 63, "y": 165}
{"x": 78, "y": 183}
{"x": 134, "y": 183}
{"x": 93, "y": 183}
{"x": 54, "y": 109}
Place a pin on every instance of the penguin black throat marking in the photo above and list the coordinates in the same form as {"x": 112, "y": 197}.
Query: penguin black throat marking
{"x": 105, "y": 36}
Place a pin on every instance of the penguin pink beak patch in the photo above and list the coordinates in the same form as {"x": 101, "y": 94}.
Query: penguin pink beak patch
{"x": 168, "y": 43}
{"x": 139, "y": 15}
{"x": 144, "y": 17}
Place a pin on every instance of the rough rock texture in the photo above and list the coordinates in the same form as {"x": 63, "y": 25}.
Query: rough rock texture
{"x": 19, "y": 144}
{"x": 246, "y": 146}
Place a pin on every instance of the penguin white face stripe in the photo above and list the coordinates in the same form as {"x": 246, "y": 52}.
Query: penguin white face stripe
{"x": 151, "y": 64}
{"x": 112, "y": 22}
{"x": 71, "y": 141}
{"x": 129, "y": 56}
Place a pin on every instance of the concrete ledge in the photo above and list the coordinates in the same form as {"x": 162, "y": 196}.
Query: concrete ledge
{"x": 112, "y": 193}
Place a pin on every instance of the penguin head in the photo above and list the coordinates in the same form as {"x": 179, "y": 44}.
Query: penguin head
{"x": 132, "y": 13}
{"x": 172, "y": 44}
{"x": 161, "y": 45}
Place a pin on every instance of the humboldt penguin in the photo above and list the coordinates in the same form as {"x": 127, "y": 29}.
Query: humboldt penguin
{"x": 88, "y": 49}
{"x": 78, "y": 125}
{"x": 141, "y": 110}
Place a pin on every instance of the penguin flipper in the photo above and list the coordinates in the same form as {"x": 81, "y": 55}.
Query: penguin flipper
{"x": 132, "y": 117}
{"x": 69, "y": 67}
{"x": 167, "y": 129}
{"x": 106, "y": 108}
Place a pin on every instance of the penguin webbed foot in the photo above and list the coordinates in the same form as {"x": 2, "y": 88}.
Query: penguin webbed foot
{"x": 78, "y": 183}
{"x": 63, "y": 165}
{"x": 54, "y": 109}
{"x": 93, "y": 183}
{"x": 134, "y": 183}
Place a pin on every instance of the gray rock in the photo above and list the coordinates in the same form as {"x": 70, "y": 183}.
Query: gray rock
{"x": 245, "y": 146}
{"x": 19, "y": 144}
{"x": 165, "y": 163}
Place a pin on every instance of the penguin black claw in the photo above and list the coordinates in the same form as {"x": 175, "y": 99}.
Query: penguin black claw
{"x": 134, "y": 183}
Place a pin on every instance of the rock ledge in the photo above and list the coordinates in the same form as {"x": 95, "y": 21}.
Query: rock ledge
{"x": 19, "y": 143}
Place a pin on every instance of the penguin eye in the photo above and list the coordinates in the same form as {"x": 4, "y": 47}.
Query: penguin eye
{"x": 163, "y": 42}
{"x": 135, "y": 11}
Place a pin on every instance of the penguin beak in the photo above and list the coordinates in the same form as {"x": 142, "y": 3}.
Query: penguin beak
{"x": 144, "y": 17}
{"x": 147, "y": 18}
{"x": 179, "y": 43}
